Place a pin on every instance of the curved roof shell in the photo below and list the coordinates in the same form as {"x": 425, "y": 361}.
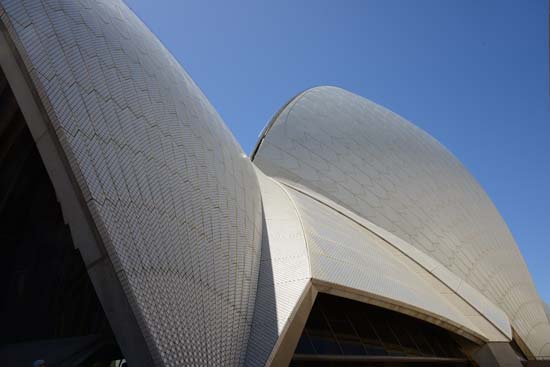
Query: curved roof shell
{"x": 202, "y": 259}
{"x": 392, "y": 174}
{"x": 173, "y": 200}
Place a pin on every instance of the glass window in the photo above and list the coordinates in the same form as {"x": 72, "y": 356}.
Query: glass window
{"x": 339, "y": 326}
{"x": 343, "y": 330}
{"x": 423, "y": 345}
{"x": 320, "y": 334}
{"x": 405, "y": 339}
{"x": 347, "y": 337}
{"x": 374, "y": 349}
{"x": 352, "y": 347}
{"x": 364, "y": 328}
{"x": 304, "y": 345}
{"x": 390, "y": 342}
{"x": 325, "y": 345}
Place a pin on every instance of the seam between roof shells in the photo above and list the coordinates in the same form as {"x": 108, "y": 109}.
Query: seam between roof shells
{"x": 289, "y": 105}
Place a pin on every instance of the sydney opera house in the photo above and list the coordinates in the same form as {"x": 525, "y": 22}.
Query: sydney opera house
{"x": 133, "y": 225}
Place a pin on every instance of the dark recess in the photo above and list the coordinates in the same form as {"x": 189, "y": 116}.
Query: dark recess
{"x": 47, "y": 302}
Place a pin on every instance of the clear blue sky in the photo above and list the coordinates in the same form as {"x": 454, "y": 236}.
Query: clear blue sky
{"x": 474, "y": 74}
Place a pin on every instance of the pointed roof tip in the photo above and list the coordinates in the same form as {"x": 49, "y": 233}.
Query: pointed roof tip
{"x": 287, "y": 105}
{"x": 324, "y": 87}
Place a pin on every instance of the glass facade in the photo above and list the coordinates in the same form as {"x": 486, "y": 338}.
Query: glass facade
{"x": 341, "y": 327}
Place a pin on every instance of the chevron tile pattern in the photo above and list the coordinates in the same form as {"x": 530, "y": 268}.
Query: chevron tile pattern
{"x": 175, "y": 200}
{"x": 383, "y": 168}
{"x": 214, "y": 253}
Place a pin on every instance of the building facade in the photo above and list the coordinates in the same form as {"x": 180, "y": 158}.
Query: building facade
{"x": 350, "y": 236}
